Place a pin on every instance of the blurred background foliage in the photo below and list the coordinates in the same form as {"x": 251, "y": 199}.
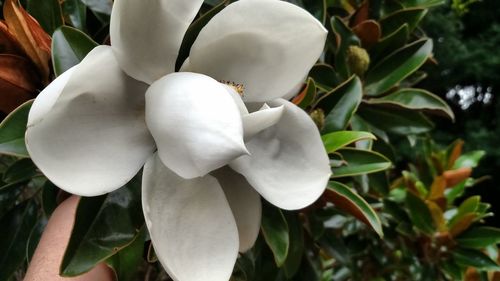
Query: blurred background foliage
{"x": 404, "y": 98}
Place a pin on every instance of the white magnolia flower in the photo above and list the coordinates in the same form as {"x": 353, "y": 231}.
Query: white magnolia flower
{"x": 96, "y": 125}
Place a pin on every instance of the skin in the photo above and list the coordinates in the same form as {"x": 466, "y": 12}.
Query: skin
{"x": 49, "y": 253}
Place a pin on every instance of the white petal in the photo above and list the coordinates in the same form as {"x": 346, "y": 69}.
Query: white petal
{"x": 195, "y": 122}
{"x": 245, "y": 204}
{"x": 146, "y": 35}
{"x": 91, "y": 139}
{"x": 191, "y": 225}
{"x": 48, "y": 97}
{"x": 267, "y": 46}
{"x": 288, "y": 164}
{"x": 257, "y": 121}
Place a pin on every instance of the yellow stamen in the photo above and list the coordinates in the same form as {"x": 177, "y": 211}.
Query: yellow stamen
{"x": 239, "y": 88}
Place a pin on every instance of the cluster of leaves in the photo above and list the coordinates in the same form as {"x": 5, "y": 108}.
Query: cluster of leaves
{"x": 362, "y": 96}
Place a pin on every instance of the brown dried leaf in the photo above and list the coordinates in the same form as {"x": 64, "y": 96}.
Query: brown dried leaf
{"x": 31, "y": 36}
{"x": 8, "y": 43}
{"x": 369, "y": 32}
{"x": 18, "y": 81}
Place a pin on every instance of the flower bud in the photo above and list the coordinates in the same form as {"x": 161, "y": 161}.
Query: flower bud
{"x": 358, "y": 60}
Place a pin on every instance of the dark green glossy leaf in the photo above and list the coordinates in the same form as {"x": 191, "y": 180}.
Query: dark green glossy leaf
{"x": 193, "y": 31}
{"x": 344, "y": 38}
{"x": 453, "y": 270}
{"x": 474, "y": 258}
{"x": 415, "y": 99}
{"x": 296, "y": 250}
{"x": 34, "y": 237}
{"x": 307, "y": 96}
{"x": 379, "y": 183}
{"x": 12, "y": 131}
{"x": 22, "y": 170}
{"x": 49, "y": 197}
{"x": 397, "y": 66}
{"x": 340, "y": 104}
{"x": 77, "y": 13}
{"x": 419, "y": 213}
{"x": 469, "y": 159}
{"x": 395, "y": 20}
{"x": 344, "y": 198}
{"x": 389, "y": 43}
{"x": 396, "y": 121}
{"x": 8, "y": 198}
{"x": 360, "y": 162}
{"x": 324, "y": 76}
{"x": 422, "y": 3}
{"x": 275, "y": 230}
{"x": 69, "y": 47}
{"x": 47, "y": 12}
{"x": 479, "y": 237}
{"x": 316, "y": 7}
{"x": 99, "y": 6}
{"x": 336, "y": 140}
{"x": 16, "y": 228}
{"x": 104, "y": 225}
{"x": 126, "y": 262}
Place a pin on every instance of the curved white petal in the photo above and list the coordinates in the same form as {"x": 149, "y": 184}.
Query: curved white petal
{"x": 190, "y": 222}
{"x": 257, "y": 121}
{"x": 245, "y": 204}
{"x": 268, "y": 46}
{"x": 48, "y": 97}
{"x": 288, "y": 164}
{"x": 92, "y": 139}
{"x": 195, "y": 122}
{"x": 146, "y": 35}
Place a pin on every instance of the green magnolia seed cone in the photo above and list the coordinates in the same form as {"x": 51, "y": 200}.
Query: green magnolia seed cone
{"x": 318, "y": 116}
{"x": 358, "y": 60}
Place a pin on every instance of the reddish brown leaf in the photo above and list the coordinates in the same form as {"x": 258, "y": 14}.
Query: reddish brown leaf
{"x": 34, "y": 41}
{"x": 346, "y": 205}
{"x": 437, "y": 188}
{"x": 8, "y": 43}
{"x": 463, "y": 224}
{"x": 454, "y": 177}
{"x": 362, "y": 14}
{"x": 455, "y": 153}
{"x": 369, "y": 32}
{"x": 18, "y": 81}
{"x": 300, "y": 97}
{"x": 437, "y": 216}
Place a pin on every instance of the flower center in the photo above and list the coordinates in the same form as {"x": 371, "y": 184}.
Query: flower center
{"x": 239, "y": 88}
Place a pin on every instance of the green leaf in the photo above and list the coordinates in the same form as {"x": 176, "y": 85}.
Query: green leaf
{"x": 127, "y": 261}
{"x": 469, "y": 206}
{"x": 16, "y": 228}
{"x": 469, "y": 159}
{"x": 99, "y": 6}
{"x": 419, "y": 213}
{"x": 389, "y": 43}
{"x": 324, "y": 76}
{"x": 47, "y": 12}
{"x": 474, "y": 258}
{"x": 411, "y": 17}
{"x": 479, "y": 237}
{"x": 12, "y": 131}
{"x": 344, "y": 37}
{"x": 296, "y": 250}
{"x": 454, "y": 271}
{"x": 20, "y": 171}
{"x": 34, "y": 237}
{"x": 340, "y": 104}
{"x": 396, "y": 121}
{"x": 49, "y": 197}
{"x": 193, "y": 31}
{"x": 275, "y": 231}
{"x": 360, "y": 162}
{"x": 307, "y": 96}
{"x": 8, "y": 199}
{"x": 336, "y": 140}
{"x": 415, "y": 99}
{"x": 77, "y": 13}
{"x": 397, "y": 66}
{"x": 69, "y": 47}
{"x": 345, "y": 199}
{"x": 104, "y": 225}
{"x": 422, "y": 3}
